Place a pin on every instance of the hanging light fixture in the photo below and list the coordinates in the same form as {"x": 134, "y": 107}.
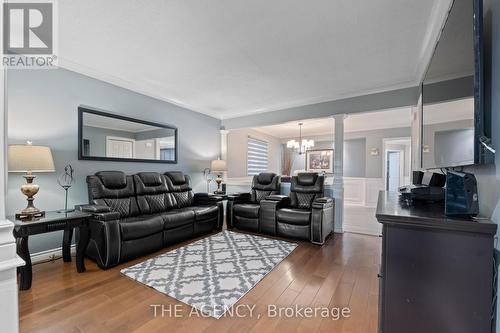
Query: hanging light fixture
{"x": 302, "y": 145}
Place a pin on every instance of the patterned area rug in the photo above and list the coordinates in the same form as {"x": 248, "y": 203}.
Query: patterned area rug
{"x": 212, "y": 274}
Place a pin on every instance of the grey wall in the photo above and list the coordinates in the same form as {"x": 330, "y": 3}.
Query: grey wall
{"x": 374, "y": 139}
{"x": 429, "y": 137}
{"x": 42, "y": 107}
{"x": 355, "y": 158}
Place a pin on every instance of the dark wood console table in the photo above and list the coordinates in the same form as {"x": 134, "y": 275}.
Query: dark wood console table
{"x": 52, "y": 221}
{"x": 437, "y": 273}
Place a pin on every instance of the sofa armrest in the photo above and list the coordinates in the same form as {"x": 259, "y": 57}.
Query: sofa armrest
{"x": 268, "y": 208}
{"x": 93, "y": 208}
{"x": 324, "y": 202}
{"x": 206, "y": 199}
{"x": 322, "y": 219}
{"x": 105, "y": 236}
{"x": 99, "y": 212}
{"x": 276, "y": 197}
{"x": 109, "y": 216}
{"x": 239, "y": 197}
{"x": 234, "y": 199}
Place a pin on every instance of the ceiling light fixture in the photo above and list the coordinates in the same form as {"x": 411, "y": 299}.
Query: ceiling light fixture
{"x": 302, "y": 145}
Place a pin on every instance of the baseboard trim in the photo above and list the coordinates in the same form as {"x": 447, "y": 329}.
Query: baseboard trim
{"x": 51, "y": 254}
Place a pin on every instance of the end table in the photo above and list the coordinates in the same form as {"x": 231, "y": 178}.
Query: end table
{"x": 52, "y": 221}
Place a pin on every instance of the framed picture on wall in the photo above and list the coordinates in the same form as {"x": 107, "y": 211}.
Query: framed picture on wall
{"x": 319, "y": 160}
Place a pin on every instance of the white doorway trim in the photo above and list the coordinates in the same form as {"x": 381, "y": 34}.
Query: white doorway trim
{"x": 403, "y": 158}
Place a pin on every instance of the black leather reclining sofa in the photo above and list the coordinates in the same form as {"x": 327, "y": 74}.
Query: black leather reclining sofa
{"x": 305, "y": 214}
{"x": 138, "y": 214}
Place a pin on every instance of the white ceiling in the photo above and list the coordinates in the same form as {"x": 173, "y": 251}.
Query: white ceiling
{"x": 228, "y": 58}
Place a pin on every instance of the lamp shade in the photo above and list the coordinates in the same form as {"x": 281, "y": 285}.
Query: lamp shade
{"x": 24, "y": 158}
{"x": 218, "y": 165}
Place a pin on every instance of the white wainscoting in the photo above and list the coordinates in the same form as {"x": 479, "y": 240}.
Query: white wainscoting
{"x": 354, "y": 191}
{"x": 361, "y": 195}
{"x": 373, "y": 187}
{"x": 362, "y": 191}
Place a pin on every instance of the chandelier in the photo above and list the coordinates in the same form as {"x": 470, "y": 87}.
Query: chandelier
{"x": 302, "y": 145}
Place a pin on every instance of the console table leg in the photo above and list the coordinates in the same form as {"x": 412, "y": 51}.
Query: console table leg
{"x": 24, "y": 271}
{"x": 83, "y": 241}
{"x": 66, "y": 247}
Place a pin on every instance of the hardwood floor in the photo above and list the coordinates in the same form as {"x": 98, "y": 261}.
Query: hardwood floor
{"x": 342, "y": 273}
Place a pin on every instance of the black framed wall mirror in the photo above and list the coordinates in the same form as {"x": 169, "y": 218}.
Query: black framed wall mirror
{"x": 105, "y": 136}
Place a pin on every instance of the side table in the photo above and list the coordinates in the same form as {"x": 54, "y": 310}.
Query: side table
{"x": 52, "y": 221}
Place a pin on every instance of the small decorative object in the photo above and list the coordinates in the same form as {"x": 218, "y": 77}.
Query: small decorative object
{"x": 65, "y": 180}
{"x": 319, "y": 160}
{"x": 218, "y": 166}
{"x": 28, "y": 158}
{"x": 374, "y": 152}
{"x": 302, "y": 145}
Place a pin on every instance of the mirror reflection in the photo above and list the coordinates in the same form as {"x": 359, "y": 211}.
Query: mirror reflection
{"x": 448, "y": 94}
{"x": 105, "y": 136}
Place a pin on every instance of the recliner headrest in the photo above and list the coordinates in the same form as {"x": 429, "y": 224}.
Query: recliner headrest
{"x": 113, "y": 179}
{"x": 307, "y": 179}
{"x": 150, "y": 178}
{"x": 265, "y": 178}
{"x": 176, "y": 177}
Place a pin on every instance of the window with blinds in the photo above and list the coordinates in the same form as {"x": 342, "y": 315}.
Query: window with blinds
{"x": 257, "y": 156}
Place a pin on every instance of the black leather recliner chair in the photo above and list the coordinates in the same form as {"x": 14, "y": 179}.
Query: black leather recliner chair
{"x": 139, "y": 214}
{"x": 304, "y": 214}
{"x": 243, "y": 209}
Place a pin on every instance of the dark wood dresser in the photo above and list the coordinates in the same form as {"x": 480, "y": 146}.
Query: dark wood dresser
{"x": 437, "y": 272}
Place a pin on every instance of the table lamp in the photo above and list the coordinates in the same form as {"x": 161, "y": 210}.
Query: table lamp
{"x": 28, "y": 158}
{"x": 218, "y": 166}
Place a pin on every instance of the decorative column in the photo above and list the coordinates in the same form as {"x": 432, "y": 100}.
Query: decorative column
{"x": 338, "y": 172}
{"x": 9, "y": 261}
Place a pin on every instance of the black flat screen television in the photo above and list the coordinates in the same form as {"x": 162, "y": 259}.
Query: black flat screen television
{"x": 454, "y": 121}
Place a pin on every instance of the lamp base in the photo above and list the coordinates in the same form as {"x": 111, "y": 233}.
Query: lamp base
{"x": 218, "y": 180}
{"x": 29, "y": 189}
{"x": 30, "y": 215}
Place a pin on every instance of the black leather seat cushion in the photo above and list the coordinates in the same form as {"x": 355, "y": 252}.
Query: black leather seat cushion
{"x": 137, "y": 227}
{"x": 294, "y": 216}
{"x": 247, "y": 210}
{"x": 205, "y": 212}
{"x": 178, "y": 217}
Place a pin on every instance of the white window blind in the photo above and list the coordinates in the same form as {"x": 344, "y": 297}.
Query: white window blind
{"x": 257, "y": 156}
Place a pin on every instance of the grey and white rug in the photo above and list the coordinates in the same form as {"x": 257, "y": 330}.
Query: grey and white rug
{"x": 212, "y": 274}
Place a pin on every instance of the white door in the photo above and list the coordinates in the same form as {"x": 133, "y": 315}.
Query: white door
{"x": 119, "y": 147}
{"x": 393, "y": 170}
